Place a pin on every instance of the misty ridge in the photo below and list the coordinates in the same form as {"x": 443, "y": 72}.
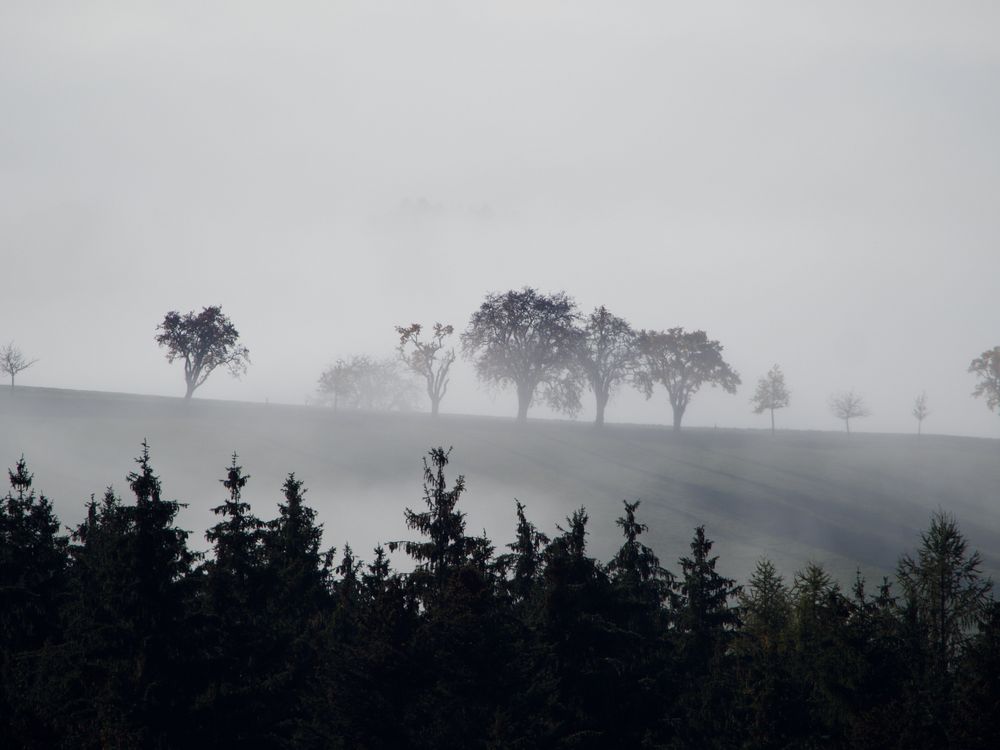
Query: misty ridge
{"x": 379, "y": 374}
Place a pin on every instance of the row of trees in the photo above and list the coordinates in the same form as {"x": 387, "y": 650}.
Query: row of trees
{"x": 543, "y": 348}
{"x": 538, "y": 344}
{"x": 121, "y": 636}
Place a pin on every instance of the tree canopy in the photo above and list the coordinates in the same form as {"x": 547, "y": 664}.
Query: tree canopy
{"x": 682, "y": 362}
{"x": 529, "y": 340}
{"x": 203, "y": 342}
{"x": 771, "y": 393}
{"x": 607, "y": 355}
{"x": 987, "y": 368}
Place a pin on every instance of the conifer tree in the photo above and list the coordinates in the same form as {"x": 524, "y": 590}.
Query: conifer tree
{"x": 33, "y": 562}
{"x": 705, "y": 622}
{"x": 129, "y": 625}
{"x": 524, "y": 561}
{"x": 238, "y": 707}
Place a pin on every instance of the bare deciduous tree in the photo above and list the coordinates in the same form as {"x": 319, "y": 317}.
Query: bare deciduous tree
{"x": 920, "y": 411}
{"x": 607, "y": 355}
{"x": 682, "y": 362}
{"x": 528, "y": 340}
{"x": 428, "y": 358}
{"x": 987, "y": 368}
{"x": 13, "y": 361}
{"x": 848, "y": 406}
{"x": 771, "y": 394}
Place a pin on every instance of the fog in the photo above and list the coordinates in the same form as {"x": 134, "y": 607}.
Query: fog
{"x": 816, "y": 188}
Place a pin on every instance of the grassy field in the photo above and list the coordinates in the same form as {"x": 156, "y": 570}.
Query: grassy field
{"x": 795, "y": 497}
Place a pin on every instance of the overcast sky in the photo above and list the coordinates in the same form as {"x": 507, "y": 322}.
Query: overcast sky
{"x": 814, "y": 187}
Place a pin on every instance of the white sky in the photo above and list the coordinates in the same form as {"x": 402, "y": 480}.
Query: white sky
{"x": 817, "y": 187}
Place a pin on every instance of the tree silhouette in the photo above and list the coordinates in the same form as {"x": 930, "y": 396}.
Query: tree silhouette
{"x": 945, "y": 583}
{"x": 528, "y": 340}
{"x": 13, "y": 361}
{"x": 427, "y": 358}
{"x": 203, "y": 342}
{"x": 607, "y": 355}
{"x": 847, "y": 406}
{"x": 987, "y": 368}
{"x": 682, "y": 362}
{"x": 771, "y": 394}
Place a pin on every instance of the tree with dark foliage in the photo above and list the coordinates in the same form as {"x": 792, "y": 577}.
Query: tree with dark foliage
{"x": 203, "y": 342}
{"x": 117, "y": 640}
{"x": 33, "y": 565}
{"x": 607, "y": 355}
{"x": 682, "y": 362}
{"x": 529, "y": 340}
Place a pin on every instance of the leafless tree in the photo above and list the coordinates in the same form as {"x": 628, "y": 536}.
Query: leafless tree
{"x": 682, "y": 361}
{"x": 13, "y": 361}
{"x": 607, "y": 355}
{"x": 848, "y": 406}
{"x": 987, "y": 367}
{"x": 920, "y": 411}
{"x": 771, "y": 394}
{"x": 428, "y": 359}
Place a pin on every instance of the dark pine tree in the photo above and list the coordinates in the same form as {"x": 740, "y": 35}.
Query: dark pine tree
{"x": 461, "y": 649}
{"x": 33, "y": 563}
{"x": 129, "y": 632}
{"x": 705, "y": 622}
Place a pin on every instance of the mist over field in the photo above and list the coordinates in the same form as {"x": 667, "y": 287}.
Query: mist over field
{"x": 813, "y": 187}
{"x": 801, "y": 497}
{"x": 701, "y": 297}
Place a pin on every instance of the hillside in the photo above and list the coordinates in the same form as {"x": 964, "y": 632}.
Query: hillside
{"x": 795, "y": 497}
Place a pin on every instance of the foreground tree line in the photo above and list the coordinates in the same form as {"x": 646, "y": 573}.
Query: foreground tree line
{"x": 120, "y": 636}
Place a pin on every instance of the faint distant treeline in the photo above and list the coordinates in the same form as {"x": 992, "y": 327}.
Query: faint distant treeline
{"x": 120, "y": 636}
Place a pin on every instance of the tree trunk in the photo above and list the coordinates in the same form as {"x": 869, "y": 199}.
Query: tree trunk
{"x": 678, "y": 416}
{"x": 602, "y": 402}
{"x": 524, "y": 394}
{"x": 847, "y": 422}
{"x": 772, "y": 422}
{"x": 190, "y": 390}
{"x": 435, "y": 404}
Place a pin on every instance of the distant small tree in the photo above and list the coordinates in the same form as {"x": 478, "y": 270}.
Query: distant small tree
{"x": 428, "y": 358}
{"x": 363, "y": 382}
{"x": 13, "y": 361}
{"x": 682, "y": 362}
{"x": 607, "y": 355}
{"x": 528, "y": 340}
{"x": 203, "y": 341}
{"x": 848, "y": 406}
{"x": 920, "y": 411}
{"x": 987, "y": 367}
{"x": 771, "y": 394}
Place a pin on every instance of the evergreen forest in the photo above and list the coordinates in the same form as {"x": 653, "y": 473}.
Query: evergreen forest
{"x": 119, "y": 634}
